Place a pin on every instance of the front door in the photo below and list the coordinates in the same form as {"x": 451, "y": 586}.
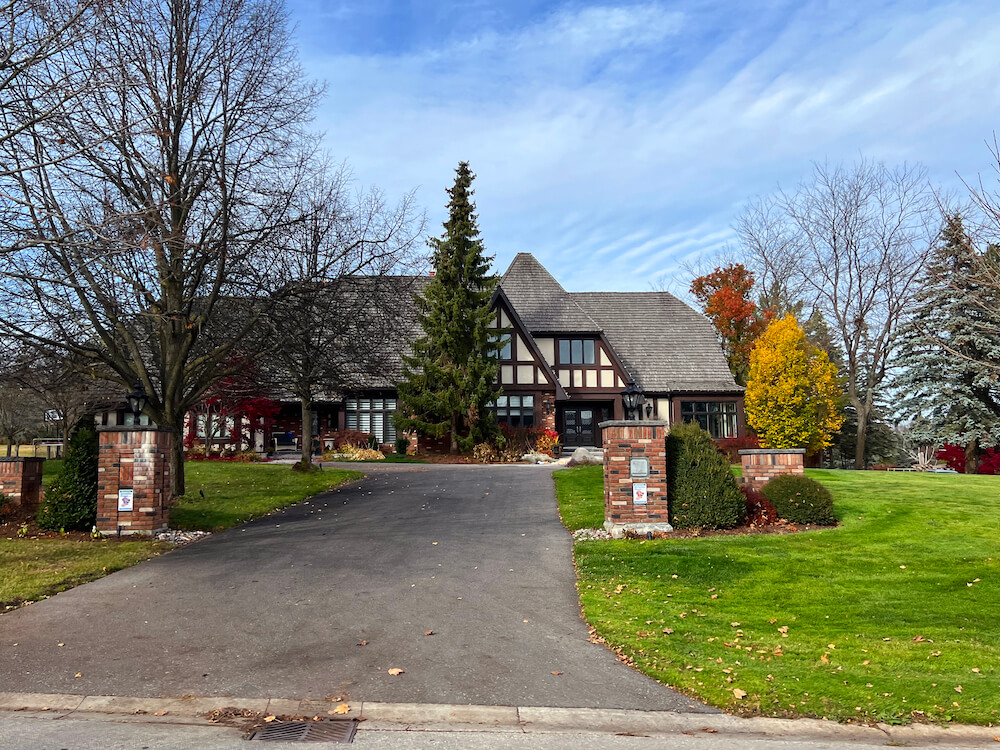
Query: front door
{"x": 579, "y": 425}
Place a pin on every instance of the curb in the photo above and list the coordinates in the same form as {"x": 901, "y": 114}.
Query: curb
{"x": 521, "y": 719}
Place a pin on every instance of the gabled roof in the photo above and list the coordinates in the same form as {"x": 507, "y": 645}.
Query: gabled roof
{"x": 540, "y": 301}
{"x": 665, "y": 345}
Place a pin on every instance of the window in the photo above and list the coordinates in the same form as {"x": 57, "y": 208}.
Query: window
{"x": 506, "y": 350}
{"x": 576, "y": 352}
{"x": 220, "y": 427}
{"x": 372, "y": 416}
{"x": 516, "y": 411}
{"x": 717, "y": 417}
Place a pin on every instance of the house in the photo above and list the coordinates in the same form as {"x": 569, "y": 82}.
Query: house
{"x": 566, "y": 358}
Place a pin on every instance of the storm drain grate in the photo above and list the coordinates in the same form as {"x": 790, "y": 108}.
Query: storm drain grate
{"x": 324, "y": 730}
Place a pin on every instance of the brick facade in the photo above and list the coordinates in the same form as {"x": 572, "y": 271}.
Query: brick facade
{"x": 761, "y": 465}
{"x": 623, "y": 441}
{"x": 136, "y": 458}
{"x": 21, "y": 481}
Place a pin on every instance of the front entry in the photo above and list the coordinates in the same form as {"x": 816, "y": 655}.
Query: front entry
{"x": 578, "y": 424}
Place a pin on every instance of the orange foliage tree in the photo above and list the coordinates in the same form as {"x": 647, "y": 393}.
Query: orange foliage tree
{"x": 724, "y": 296}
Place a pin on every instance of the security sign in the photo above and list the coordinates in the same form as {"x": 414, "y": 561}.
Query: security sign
{"x": 639, "y": 493}
{"x": 125, "y": 498}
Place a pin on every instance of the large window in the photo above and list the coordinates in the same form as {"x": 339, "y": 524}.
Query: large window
{"x": 576, "y": 352}
{"x": 517, "y": 411}
{"x": 372, "y": 416}
{"x": 717, "y": 417}
{"x": 505, "y": 354}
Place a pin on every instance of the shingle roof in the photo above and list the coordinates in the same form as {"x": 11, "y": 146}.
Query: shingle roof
{"x": 664, "y": 344}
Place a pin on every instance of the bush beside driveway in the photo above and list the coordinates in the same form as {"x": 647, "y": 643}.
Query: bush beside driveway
{"x": 889, "y": 617}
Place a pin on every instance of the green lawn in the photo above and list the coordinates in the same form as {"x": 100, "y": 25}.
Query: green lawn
{"x": 31, "y": 569}
{"x": 220, "y": 495}
{"x": 892, "y": 616}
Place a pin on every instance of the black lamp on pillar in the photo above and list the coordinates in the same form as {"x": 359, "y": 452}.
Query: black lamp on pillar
{"x": 631, "y": 398}
{"x": 137, "y": 401}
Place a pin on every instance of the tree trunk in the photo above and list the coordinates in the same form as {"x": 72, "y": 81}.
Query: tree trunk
{"x": 177, "y": 467}
{"x": 859, "y": 449}
{"x": 307, "y": 435}
{"x": 972, "y": 457}
{"x": 454, "y": 434}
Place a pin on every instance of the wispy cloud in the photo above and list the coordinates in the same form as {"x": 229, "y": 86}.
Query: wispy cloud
{"x": 615, "y": 140}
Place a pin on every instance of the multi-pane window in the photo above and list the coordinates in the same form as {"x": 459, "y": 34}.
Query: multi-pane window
{"x": 217, "y": 427}
{"x": 506, "y": 350}
{"x": 576, "y": 352}
{"x": 372, "y": 416}
{"x": 516, "y": 411}
{"x": 717, "y": 417}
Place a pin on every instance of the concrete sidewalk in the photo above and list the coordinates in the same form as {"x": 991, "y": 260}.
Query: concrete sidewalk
{"x": 473, "y": 721}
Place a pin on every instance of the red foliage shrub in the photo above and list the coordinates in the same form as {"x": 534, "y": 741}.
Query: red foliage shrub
{"x": 731, "y": 447}
{"x": 954, "y": 456}
{"x": 989, "y": 462}
{"x": 759, "y": 511}
{"x": 351, "y": 437}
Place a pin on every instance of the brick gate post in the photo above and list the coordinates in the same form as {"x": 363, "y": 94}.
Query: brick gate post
{"x": 635, "y": 476}
{"x": 21, "y": 481}
{"x": 133, "y": 479}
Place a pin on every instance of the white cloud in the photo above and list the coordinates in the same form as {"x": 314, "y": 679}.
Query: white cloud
{"x": 590, "y": 153}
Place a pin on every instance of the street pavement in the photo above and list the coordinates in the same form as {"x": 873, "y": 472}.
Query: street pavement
{"x": 475, "y": 554}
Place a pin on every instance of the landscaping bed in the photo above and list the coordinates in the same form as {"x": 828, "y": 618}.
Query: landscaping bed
{"x": 889, "y": 617}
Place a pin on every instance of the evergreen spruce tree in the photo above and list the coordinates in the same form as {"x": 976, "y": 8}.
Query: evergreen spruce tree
{"x": 950, "y": 350}
{"x": 451, "y": 376}
{"x": 71, "y": 502}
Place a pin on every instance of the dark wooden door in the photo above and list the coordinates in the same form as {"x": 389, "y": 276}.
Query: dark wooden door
{"x": 579, "y": 426}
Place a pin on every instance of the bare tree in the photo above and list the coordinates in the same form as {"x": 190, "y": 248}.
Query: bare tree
{"x": 338, "y": 325}
{"x": 851, "y": 242}
{"x": 155, "y": 204}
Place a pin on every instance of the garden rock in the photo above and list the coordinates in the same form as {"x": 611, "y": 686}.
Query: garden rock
{"x": 537, "y": 458}
{"x": 587, "y": 457}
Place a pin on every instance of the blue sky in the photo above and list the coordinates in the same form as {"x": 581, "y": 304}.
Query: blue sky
{"x": 619, "y": 141}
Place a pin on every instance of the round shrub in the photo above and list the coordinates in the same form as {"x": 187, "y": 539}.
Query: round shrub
{"x": 71, "y": 502}
{"x": 701, "y": 489}
{"x": 800, "y": 499}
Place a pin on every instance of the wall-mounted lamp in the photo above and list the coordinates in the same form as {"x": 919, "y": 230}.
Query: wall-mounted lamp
{"x": 649, "y": 411}
{"x": 137, "y": 401}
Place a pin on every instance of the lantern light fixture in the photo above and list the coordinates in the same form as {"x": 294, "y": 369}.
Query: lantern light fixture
{"x": 631, "y": 399}
{"x": 137, "y": 401}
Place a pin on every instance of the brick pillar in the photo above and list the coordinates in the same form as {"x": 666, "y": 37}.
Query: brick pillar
{"x": 761, "y": 465}
{"x": 21, "y": 481}
{"x": 635, "y": 453}
{"x": 136, "y": 459}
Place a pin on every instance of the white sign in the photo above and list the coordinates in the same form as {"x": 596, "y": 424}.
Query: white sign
{"x": 125, "y": 498}
{"x": 639, "y": 493}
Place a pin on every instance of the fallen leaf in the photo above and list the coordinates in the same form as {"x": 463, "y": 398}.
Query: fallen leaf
{"x": 668, "y": 631}
{"x": 824, "y": 659}
{"x": 429, "y": 632}
{"x": 363, "y": 643}
{"x": 918, "y": 639}
{"x": 396, "y": 671}
{"x": 160, "y": 713}
{"x": 709, "y": 730}
{"x": 735, "y": 624}
{"x": 269, "y": 719}
{"x": 958, "y": 688}
{"x": 78, "y": 674}
{"x": 60, "y": 644}
{"x": 740, "y": 694}
{"x": 556, "y": 673}
{"x": 343, "y": 708}
{"x": 976, "y": 670}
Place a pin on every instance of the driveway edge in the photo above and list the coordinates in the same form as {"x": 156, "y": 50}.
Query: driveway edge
{"x": 523, "y": 719}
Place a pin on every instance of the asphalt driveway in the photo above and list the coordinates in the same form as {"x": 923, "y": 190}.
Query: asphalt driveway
{"x": 279, "y": 607}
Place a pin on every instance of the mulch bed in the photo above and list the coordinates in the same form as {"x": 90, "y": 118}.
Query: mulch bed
{"x": 16, "y": 523}
{"x": 781, "y": 527}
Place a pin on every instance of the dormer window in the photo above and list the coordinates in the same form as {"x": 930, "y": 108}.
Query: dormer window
{"x": 576, "y": 352}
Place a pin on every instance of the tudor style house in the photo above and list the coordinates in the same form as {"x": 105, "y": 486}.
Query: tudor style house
{"x": 566, "y": 358}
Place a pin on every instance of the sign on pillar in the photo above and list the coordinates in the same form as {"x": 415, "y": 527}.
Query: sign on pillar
{"x": 635, "y": 476}
{"x": 133, "y": 479}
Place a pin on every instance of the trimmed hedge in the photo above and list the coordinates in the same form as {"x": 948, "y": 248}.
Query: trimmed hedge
{"x": 700, "y": 485}
{"x": 800, "y": 499}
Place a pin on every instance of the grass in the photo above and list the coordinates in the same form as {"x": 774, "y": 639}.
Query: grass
{"x": 220, "y": 495}
{"x": 32, "y": 569}
{"x": 890, "y": 617}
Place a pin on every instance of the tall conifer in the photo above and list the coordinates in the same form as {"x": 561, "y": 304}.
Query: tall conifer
{"x": 450, "y": 378}
{"x": 950, "y": 351}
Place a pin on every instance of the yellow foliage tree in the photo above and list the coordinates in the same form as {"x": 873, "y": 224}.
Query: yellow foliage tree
{"x": 793, "y": 394}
